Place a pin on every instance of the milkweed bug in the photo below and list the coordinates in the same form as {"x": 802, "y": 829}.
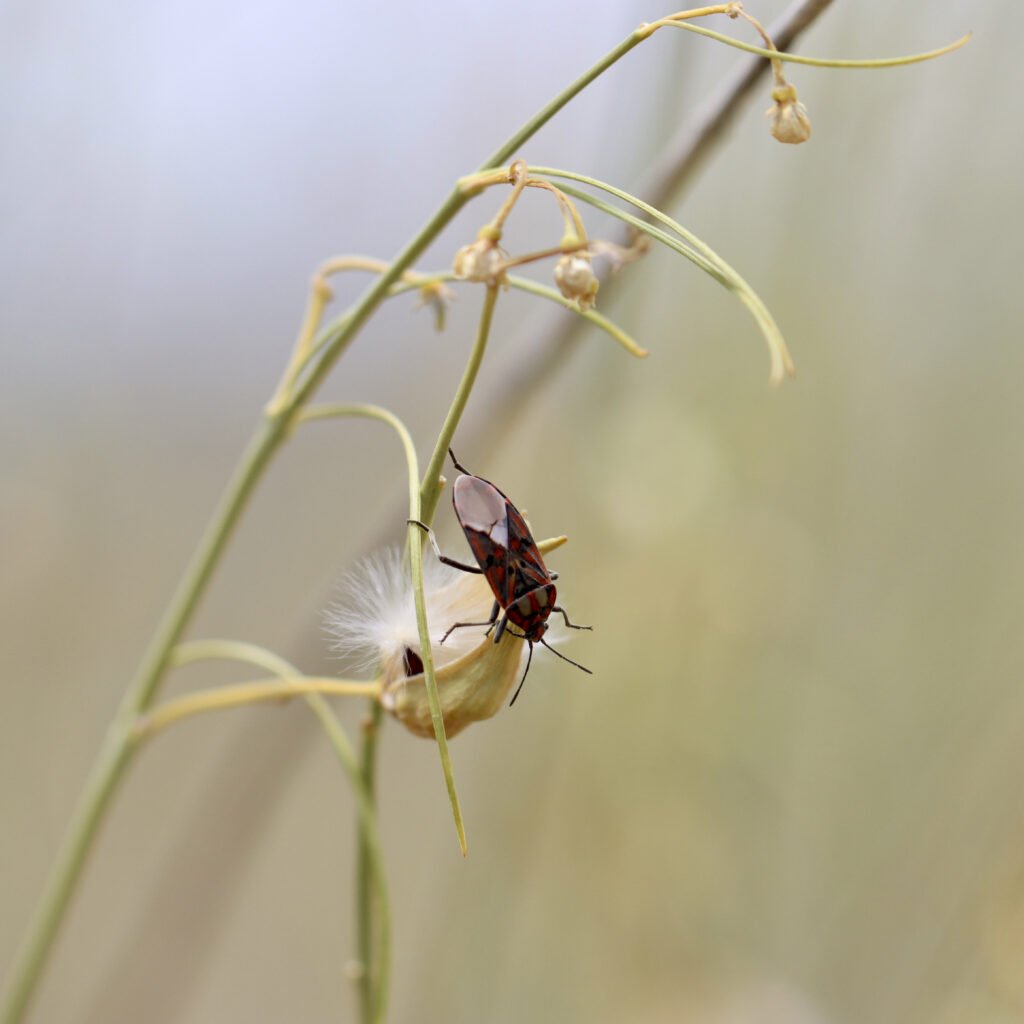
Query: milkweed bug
{"x": 507, "y": 556}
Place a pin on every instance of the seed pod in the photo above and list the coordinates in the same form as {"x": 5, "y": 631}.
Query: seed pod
{"x": 471, "y": 688}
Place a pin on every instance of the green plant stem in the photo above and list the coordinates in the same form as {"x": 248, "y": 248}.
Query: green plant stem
{"x": 596, "y": 318}
{"x": 117, "y": 746}
{"x": 240, "y": 695}
{"x": 430, "y": 491}
{"x": 525, "y": 284}
{"x": 116, "y": 749}
{"x": 375, "y": 953}
{"x": 817, "y": 62}
{"x": 415, "y": 550}
{"x": 367, "y": 910}
{"x": 508, "y": 149}
{"x": 554, "y": 340}
{"x": 422, "y": 505}
{"x": 336, "y": 337}
{"x": 371, "y": 996}
{"x": 190, "y": 652}
{"x": 113, "y": 757}
{"x": 416, "y": 569}
{"x": 197, "y": 575}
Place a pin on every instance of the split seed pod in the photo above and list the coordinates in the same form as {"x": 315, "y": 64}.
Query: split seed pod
{"x": 474, "y": 675}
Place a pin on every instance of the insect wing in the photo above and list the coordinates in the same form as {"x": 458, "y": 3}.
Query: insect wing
{"x": 530, "y": 611}
{"x": 482, "y": 511}
{"x": 480, "y": 506}
{"x": 530, "y": 571}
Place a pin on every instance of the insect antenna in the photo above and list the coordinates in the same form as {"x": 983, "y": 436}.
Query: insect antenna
{"x": 455, "y": 463}
{"x": 564, "y": 658}
{"x": 529, "y": 658}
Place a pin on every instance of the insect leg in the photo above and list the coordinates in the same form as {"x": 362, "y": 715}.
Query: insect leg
{"x": 501, "y": 625}
{"x": 437, "y": 551}
{"x": 529, "y": 658}
{"x": 495, "y": 608}
{"x": 489, "y": 623}
{"x": 571, "y": 625}
{"x": 460, "y": 625}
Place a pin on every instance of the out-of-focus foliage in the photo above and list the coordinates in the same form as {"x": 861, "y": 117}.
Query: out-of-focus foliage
{"x": 791, "y": 790}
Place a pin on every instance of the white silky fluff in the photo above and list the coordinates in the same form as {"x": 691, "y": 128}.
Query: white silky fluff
{"x": 374, "y": 618}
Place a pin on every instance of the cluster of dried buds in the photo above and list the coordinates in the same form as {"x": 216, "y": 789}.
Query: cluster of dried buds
{"x": 484, "y": 260}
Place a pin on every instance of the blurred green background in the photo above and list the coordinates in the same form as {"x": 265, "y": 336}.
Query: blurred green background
{"x": 792, "y": 789}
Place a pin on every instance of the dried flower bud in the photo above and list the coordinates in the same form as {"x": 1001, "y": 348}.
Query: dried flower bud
{"x": 620, "y": 254}
{"x": 480, "y": 261}
{"x": 576, "y": 279}
{"x": 437, "y": 295}
{"x": 790, "y": 122}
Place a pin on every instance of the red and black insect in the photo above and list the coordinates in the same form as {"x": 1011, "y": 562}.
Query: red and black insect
{"x": 507, "y": 555}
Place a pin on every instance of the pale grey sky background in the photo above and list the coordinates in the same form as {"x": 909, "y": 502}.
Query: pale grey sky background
{"x": 791, "y": 787}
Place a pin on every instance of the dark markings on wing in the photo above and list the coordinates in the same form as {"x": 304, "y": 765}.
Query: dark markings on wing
{"x": 494, "y": 560}
{"x": 499, "y": 538}
{"x": 531, "y": 571}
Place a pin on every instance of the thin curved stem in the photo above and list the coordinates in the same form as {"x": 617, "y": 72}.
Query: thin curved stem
{"x": 416, "y": 569}
{"x": 107, "y": 770}
{"x": 336, "y": 265}
{"x": 541, "y": 118}
{"x": 517, "y": 179}
{"x": 239, "y": 695}
{"x": 524, "y": 284}
{"x": 375, "y": 951}
{"x": 430, "y": 492}
{"x": 816, "y": 62}
{"x": 373, "y": 995}
{"x": 320, "y": 294}
{"x": 340, "y": 410}
{"x": 596, "y": 318}
{"x": 371, "y": 999}
{"x": 701, "y": 254}
{"x": 424, "y": 502}
{"x": 116, "y": 750}
{"x": 218, "y": 649}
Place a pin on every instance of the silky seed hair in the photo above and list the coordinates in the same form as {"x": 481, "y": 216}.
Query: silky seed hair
{"x": 373, "y": 619}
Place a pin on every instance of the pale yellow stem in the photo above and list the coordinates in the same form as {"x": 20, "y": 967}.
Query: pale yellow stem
{"x": 516, "y": 175}
{"x": 673, "y": 19}
{"x": 240, "y": 694}
{"x": 569, "y": 211}
{"x": 320, "y": 295}
{"x": 543, "y": 254}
